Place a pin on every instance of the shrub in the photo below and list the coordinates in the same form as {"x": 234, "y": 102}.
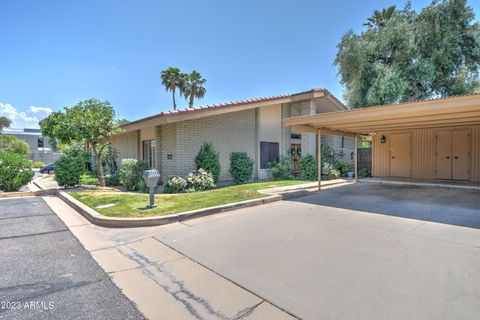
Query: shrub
{"x": 12, "y": 144}
{"x": 343, "y": 166}
{"x": 175, "y": 184}
{"x": 37, "y": 164}
{"x": 15, "y": 172}
{"x": 309, "y": 166}
{"x": 333, "y": 173}
{"x": 241, "y": 167}
{"x": 327, "y": 153}
{"x": 199, "y": 180}
{"x": 68, "y": 170}
{"x": 208, "y": 160}
{"x": 131, "y": 173}
{"x": 281, "y": 169}
{"x": 112, "y": 180}
{"x": 88, "y": 180}
{"x": 363, "y": 173}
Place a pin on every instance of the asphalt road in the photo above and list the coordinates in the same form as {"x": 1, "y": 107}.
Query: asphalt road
{"x": 45, "y": 273}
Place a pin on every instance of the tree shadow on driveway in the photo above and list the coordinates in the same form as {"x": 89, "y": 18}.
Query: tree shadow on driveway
{"x": 459, "y": 207}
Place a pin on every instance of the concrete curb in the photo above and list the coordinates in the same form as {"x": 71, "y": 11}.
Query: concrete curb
{"x": 109, "y": 222}
{"x": 39, "y": 193}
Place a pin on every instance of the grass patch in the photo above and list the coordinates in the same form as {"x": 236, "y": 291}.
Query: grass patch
{"x": 128, "y": 204}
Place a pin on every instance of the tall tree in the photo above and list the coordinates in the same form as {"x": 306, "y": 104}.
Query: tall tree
{"x": 380, "y": 18}
{"x": 193, "y": 87}
{"x": 90, "y": 121}
{"x": 4, "y": 123}
{"x": 172, "y": 78}
{"x": 412, "y": 55}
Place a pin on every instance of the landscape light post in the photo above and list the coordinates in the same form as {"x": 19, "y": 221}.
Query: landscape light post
{"x": 151, "y": 178}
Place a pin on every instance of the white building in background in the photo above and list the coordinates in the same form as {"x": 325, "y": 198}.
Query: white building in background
{"x": 40, "y": 148}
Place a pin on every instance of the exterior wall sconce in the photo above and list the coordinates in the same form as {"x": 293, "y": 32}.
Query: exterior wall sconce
{"x": 383, "y": 139}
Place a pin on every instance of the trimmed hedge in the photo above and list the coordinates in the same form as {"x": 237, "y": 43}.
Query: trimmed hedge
{"x": 241, "y": 167}
{"x": 68, "y": 170}
{"x": 15, "y": 172}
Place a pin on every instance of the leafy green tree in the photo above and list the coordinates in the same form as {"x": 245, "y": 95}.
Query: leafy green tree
{"x": 193, "y": 86}
{"x": 91, "y": 121}
{"x": 4, "y": 123}
{"x": 14, "y": 145}
{"x": 172, "y": 79}
{"x": 408, "y": 55}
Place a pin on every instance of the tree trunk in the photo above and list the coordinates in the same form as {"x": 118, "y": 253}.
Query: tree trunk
{"x": 174, "y": 103}
{"x": 101, "y": 177}
{"x": 190, "y": 103}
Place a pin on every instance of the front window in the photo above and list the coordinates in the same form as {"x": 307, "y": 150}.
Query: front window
{"x": 269, "y": 152}
{"x": 149, "y": 153}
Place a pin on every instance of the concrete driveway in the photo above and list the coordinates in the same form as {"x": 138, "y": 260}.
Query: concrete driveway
{"x": 45, "y": 273}
{"x": 363, "y": 251}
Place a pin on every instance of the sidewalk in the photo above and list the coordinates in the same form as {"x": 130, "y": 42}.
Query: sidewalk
{"x": 163, "y": 283}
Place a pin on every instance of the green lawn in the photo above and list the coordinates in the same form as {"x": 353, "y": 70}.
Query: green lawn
{"x": 129, "y": 204}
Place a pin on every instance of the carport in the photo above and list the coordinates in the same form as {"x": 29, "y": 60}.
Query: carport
{"x": 436, "y": 139}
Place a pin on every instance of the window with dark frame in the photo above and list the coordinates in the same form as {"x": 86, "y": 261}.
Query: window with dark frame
{"x": 41, "y": 143}
{"x": 269, "y": 152}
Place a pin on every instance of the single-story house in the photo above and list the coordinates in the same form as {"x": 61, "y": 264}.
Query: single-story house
{"x": 437, "y": 139}
{"x": 169, "y": 141}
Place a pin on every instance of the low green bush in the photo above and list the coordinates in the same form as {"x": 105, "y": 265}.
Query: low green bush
{"x": 363, "y": 173}
{"x": 343, "y": 166}
{"x": 68, "y": 170}
{"x": 15, "y": 171}
{"x": 88, "y": 180}
{"x": 333, "y": 173}
{"x": 209, "y": 160}
{"x": 282, "y": 168}
{"x": 131, "y": 174}
{"x": 199, "y": 180}
{"x": 309, "y": 166}
{"x": 241, "y": 167}
{"x": 112, "y": 180}
{"x": 37, "y": 164}
{"x": 175, "y": 184}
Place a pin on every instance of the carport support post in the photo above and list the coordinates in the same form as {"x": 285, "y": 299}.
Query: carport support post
{"x": 319, "y": 156}
{"x": 356, "y": 153}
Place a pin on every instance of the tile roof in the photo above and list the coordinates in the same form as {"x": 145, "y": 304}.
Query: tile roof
{"x": 235, "y": 104}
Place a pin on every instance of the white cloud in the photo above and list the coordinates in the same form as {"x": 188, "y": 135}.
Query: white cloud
{"x": 22, "y": 119}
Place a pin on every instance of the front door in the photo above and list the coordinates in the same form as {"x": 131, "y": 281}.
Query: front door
{"x": 460, "y": 155}
{"x": 400, "y": 155}
{"x": 296, "y": 153}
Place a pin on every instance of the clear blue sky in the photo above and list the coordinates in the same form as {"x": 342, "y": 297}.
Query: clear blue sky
{"x": 55, "y": 53}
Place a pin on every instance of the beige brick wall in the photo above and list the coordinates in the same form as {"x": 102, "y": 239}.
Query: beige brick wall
{"x": 227, "y": 132}
{"x": 127, "y": 145}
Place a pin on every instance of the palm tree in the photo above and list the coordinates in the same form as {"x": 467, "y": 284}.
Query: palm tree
{"x": 380, "y": 18}
{"x": 171, "y": 79}
{"x": 193, "y": 87}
